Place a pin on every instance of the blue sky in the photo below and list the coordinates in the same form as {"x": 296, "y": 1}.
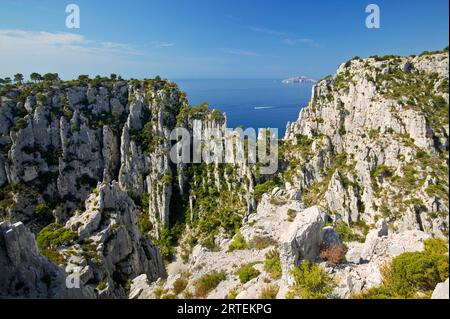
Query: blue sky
{"x": 211, "y": 38}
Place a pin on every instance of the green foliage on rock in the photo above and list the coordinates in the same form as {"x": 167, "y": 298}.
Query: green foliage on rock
{"x": 272, "y": 264}
{"x": 311, "y": 282}
{"x": 269, "y": 292}
{"x": 263, "y": 188}
{"x": 238, "y": 243}
{"x": 53, "y": 236}
{"x": 247, "y": 272}
{"x": 205, "y": 284}
{"x": 413, "y": 274}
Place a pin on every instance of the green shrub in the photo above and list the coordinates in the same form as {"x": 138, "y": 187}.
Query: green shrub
{"x": 52, "y": 236}
{"x": 232, "y": 294}
{"x": 166, "y": 179}
{"x": 144, "y": 224}
{"x": 263, "y": 188}
{"x": 412, "y": 273}
{"x": 311, "y": 282}
{"x": 304, "y": 143}
{"x": 373, "y": 134}
{"x": 165, "y": 243}
{"x": 269, "y": 292}
{"x": 238, "y": 243}
{"x": 55, "y": 235}
{"x": 180, "y": 285}
{"x": 272, "y": 264}
{"x": 382, "y": 171}
{"x": 292, "y": 214}
{"x": 188, "y": 294}
{"x": 246, "y": 273}
{"x": 20, "y": 124}
{"x": 260, "y": 242}
{"x": 345, "y": 232}
{"x": 159, "y": 291}
{"x": 205, "y": 284}
{"x": 101, "y": 286}
{"x": 44, "y": 212}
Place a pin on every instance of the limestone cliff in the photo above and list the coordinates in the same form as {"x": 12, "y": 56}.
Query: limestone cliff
{"x": 373, "y": 143}
{"x": 89, "y": 160}
{"x": 363, "y": 170}
{"x": 87, "y": 187}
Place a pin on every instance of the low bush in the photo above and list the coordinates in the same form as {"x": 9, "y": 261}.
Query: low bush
{"x": 260, "y": 242}
{"x": 180, "y": 285}
{"x": 246, "y": 273}
{"x": 263, "y": 188}
{"x": 413, "y": 274}
{"x": 55, "y": 235}
{"x": 51, "y": 237}
{"x": 232, "y": 294}
{"x": 346, "y": 233}
{"x": 101, "y": 286}
{"x": 269, "y": 292}
{"x": 272, "y": 264}
{"x": 205, "y": 284}
{"x": 311, "y": 282}
{"x": 238, "y": 243}
{"x": 144, "y": 224}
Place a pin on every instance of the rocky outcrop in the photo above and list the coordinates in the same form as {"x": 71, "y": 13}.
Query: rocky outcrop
{"x": 25, "y": 273}
{"x": 441, "y": 291}
{"x": 93, "y": 156}
{"x": 302, "y": 239}
{"x": 373, "y": 143}
{"x": 85, "y": 165}
{"x": 111, "y": 245}
{"x": 141, "y": 288}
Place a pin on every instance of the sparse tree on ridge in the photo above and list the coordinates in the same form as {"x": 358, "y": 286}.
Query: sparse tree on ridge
{"x": 36, "y": 77}
{"x": 18, "y": 78}
{"x": 83, "y": 78}
{"x": 50, "y": 77}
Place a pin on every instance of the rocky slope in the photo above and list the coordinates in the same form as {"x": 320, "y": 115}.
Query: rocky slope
{"x": 373, "y": 142}
{"x": 85, "y": 166}
{"x": 364, "y": 168}
{"x": 88, "y": 188}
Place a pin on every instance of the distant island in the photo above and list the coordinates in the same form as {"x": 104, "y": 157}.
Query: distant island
{"x": 298, "y": 79}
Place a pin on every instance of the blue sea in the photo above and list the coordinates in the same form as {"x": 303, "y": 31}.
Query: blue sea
{"x": 251, "y": 103}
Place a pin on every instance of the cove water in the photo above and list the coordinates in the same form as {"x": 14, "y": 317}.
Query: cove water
{"x": 257, "y": 103}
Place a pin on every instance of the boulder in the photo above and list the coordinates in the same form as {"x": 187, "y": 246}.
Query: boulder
{"x": 141, "y": 288}
{"x": 441, "y": 291}
{"x": 302, "y": 240}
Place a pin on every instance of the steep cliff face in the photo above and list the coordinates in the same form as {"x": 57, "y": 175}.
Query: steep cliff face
{"x": 89, "y": 159}
{"x": 373, "y": 143}
{"x": 60, "y": 140}
{"x": 364, "y": 171}
{"x": 88, "y": 189}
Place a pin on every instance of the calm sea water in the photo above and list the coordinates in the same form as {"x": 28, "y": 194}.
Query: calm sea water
{"x": 251, "y": 103}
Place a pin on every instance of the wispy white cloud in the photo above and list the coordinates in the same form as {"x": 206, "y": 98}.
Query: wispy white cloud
{"x": 12, "y": 39}
{"x": 295, "y": 41}
{"x": 240, "y": 52}
{"x": 161, "y": 45}
{"x": 285, "y": 37}
{"x": 59, "y": 38}
{"x": 268, "y": 31}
